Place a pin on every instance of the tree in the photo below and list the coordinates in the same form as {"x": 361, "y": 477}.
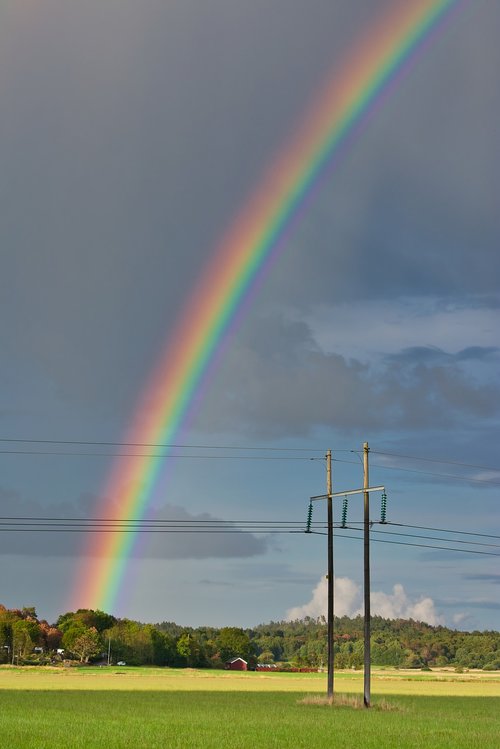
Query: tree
{"x": 88, "y": 617}
{"x": 51, "y": 636}
{"x": 87, "y": 644}
{"x": 267, "y": 656}
{"x": 233, "y": 642}
{"x": 188, "y": 647}
{"x": 25, "y": 636}
{"x": 84, "y": 642}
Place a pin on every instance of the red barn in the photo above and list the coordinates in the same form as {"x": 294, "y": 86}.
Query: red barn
{"x": 237, "y": 664}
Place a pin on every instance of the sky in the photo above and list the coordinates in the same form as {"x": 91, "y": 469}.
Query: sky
{"x": 132, "y": 134}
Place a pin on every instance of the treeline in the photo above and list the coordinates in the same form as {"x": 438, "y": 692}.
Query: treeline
{"x": 91, "y": 636}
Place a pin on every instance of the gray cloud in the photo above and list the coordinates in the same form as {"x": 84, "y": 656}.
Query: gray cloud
{"x": 121, "y": 178}
{"x": 483, "y": 577}
{"x": 17, "y": 538}
{"x": 432, "y": 355}
{"x": 482, "y": 604}
{"x": 131, "y": 136}
{"x": 279, "y": 381}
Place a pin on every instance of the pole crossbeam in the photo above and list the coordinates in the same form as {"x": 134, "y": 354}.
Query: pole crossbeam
{"x": 348, "y": 492}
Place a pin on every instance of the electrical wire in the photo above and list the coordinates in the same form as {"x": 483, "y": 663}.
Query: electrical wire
{"x": 165, "y": 445}
{"x": 150, "y": 455}
{"x": 213, "y": 526}
{"x": 419, "y": 546}
{"x": 433, "y": 460}
{"x": 443, "y": 530}
{"x": 437, "y": 538}
{"x": 453, "y": 477}
{"x": 240, "y": 448}
{"x": 177, "y": 456}
{"x": 427, "y": 528}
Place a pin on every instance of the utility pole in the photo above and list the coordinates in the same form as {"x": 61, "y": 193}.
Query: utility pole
{"x": 329, "y": 496}
{"x": 366, "y": 583}
{"x": 331, "y": 579}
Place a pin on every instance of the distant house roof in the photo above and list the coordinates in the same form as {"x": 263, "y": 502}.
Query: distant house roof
{"x": 237, "y": 664}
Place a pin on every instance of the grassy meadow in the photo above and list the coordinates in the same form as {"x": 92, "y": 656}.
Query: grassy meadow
{"x": 41, "y": 708}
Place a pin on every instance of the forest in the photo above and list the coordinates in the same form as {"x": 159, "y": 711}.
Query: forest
{"x": 88, "y": 636}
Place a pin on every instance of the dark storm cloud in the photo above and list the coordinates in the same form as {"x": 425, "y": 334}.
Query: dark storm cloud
{"x": 133, "y": 133}
{"x": 128, "y": 144}
{"x": 413, "y": 208}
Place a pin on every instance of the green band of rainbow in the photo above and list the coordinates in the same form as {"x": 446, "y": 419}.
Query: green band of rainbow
{"x": 350, "y": 95}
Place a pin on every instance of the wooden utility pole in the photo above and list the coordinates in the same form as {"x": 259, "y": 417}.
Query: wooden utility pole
{"x": 329, "y": 496}
{"x": 331, "y": 580}
{"x": 366, "y": 583}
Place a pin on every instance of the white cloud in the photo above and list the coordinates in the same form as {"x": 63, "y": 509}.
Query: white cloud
{"x": 346, "y": 593}
{"x": 348, "y": 602}
{"x": 398, "y": 606}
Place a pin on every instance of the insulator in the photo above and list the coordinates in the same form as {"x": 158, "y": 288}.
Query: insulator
{"x": 309, "y": 517}
{"x": 344, "y": 512}
{"x": 383, "y": 508}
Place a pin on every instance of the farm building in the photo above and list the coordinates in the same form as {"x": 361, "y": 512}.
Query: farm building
{"x": 237, "y": 664}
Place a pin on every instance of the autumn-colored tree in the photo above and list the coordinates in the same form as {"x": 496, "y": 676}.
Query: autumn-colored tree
{"x": 51, "y": 636}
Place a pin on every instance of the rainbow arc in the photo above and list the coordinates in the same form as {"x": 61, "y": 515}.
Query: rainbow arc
{"x": 253, "y": 239}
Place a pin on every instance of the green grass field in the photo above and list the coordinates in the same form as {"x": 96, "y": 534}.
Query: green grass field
{"x": 170, "y": 708}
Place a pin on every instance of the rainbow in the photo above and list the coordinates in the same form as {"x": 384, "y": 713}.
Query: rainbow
{"x": 336, "y": 115}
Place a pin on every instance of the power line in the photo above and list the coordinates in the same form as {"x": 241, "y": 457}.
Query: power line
{"x": 39, "y": 520}
{"x": 150, "y": 455}
{"x": 428, "y": 528}
{"x": 434, "y": 460}
{"x": 443, "y": 530}
{"x": 109, "y": 525}
{"x": 147, "y": 529}
{"x": 226, "y": 530}
{"x": 439, "y": 475}
{"x": 437, "y": 538}
{"x": 177, "y": 456}
{"x": 240, "y": 448}
{"x": 164, "y": 445}
{"x": 151, "y": 520}
{"x": 420, "y": 546}
{"x": 453, "y": 477}
{"x": 119, "y": 525}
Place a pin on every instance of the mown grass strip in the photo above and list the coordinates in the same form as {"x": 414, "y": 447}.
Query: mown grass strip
{"x": 212, "y": 720}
